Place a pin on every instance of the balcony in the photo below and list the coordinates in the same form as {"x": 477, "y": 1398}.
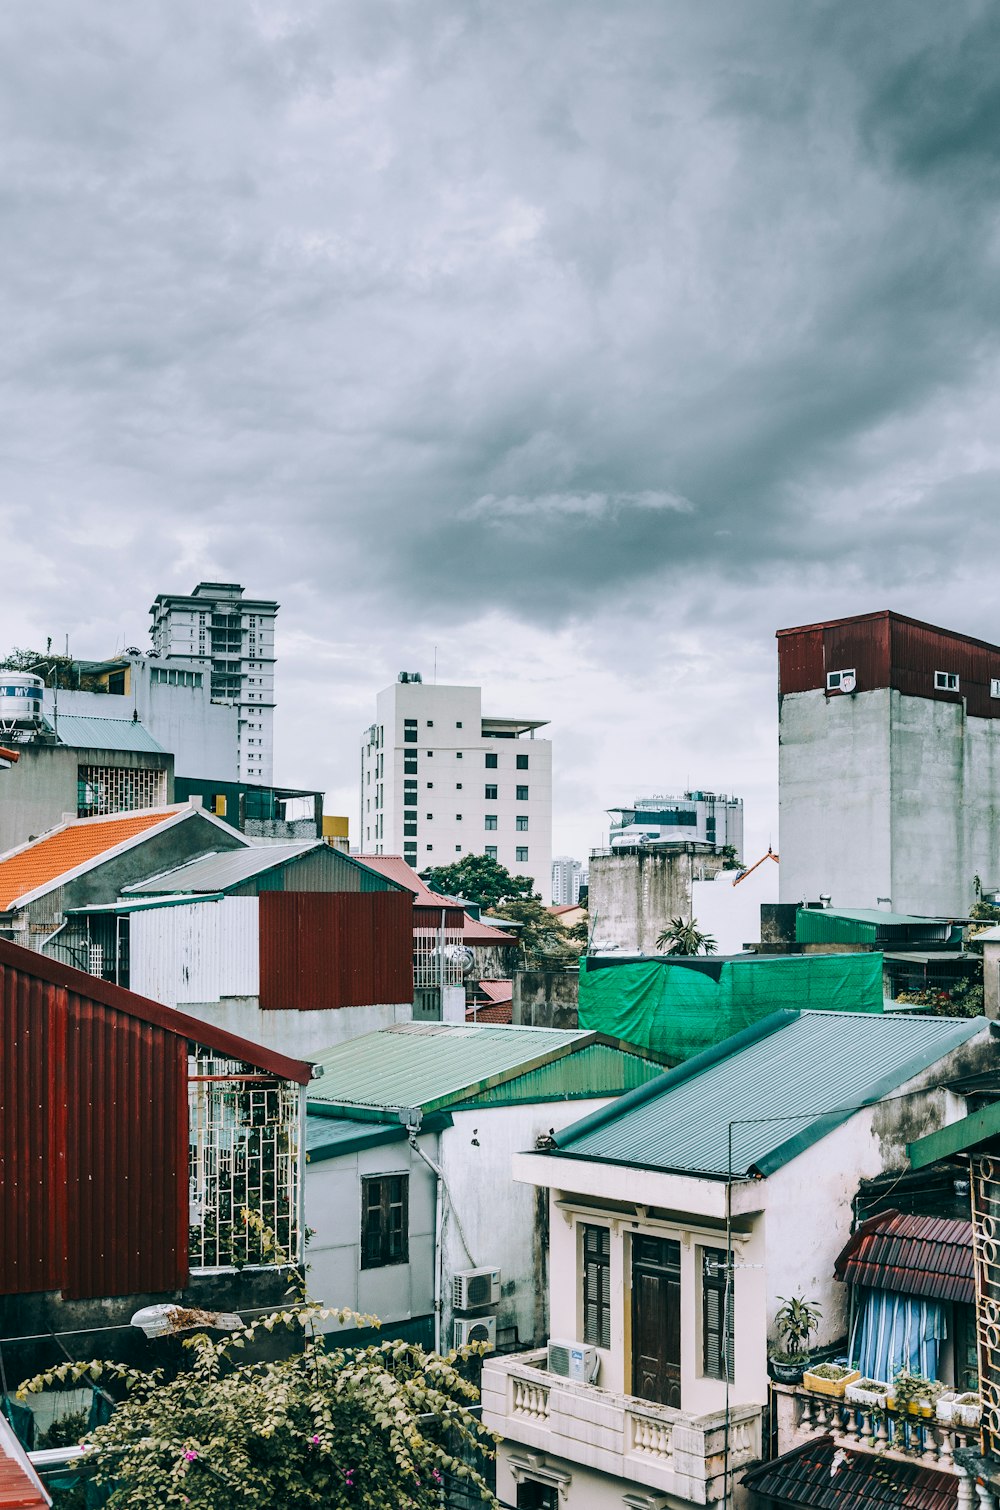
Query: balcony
{"x": 667, "y": 1450}
{"x": 802, "y": 1415}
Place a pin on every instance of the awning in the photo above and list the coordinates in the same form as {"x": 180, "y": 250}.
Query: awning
{"x": 818, "y": 1476}
{"x": 911, "y": 1255}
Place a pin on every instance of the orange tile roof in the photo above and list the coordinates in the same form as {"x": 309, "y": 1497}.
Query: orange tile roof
{"x": 54, "y": 854}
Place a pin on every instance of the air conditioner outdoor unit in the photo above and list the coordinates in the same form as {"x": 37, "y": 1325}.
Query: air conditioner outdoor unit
{"x": 466, "y": 1329}
{"x": 574, "y": 1360}
{"x": 472, "y": 1288}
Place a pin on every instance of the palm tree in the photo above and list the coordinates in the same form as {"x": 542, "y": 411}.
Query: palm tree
{"x": 685, "y": 938}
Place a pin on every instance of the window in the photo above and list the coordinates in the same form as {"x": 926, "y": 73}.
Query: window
{"x": 597, "y": 1286}
{"x": 522, "y": 762}
{"x": 491, "y": 762}
{"x": 521, "y": 853}
{"x": 430, "y": 754}
{"x": 430, "y": 786}
{"x": 459, "y": 724}
{"x": 522, "y": 794}
{"x": 430, "y": 723}
{"x": 491, "y": 793}
{"x": 458, "y": 817}
{"x": 458, "y": 849}
{"x": 429, "y": 817}
{"x": 491, "y": 821}
{"x": 995, "y": 686}
{"x": 409, "y": 764}
{"x": 717, "y": 1340}
{"x": 532, "y": 1495}
{"x": 458, "y": 786}
{"x": 409, "y": 786}
{"x": 491, "y": 851}
{"x": 409, "y": 830}
{"x": 840, "y": 681}
{"x": 945, "y": 681}
{"x": 410, "y": 736}
{"x": 384, "y": 1220}
{"x": 459, "y": 754}
{"x": 429, "y": 846}
{"x": 521, "y": 823}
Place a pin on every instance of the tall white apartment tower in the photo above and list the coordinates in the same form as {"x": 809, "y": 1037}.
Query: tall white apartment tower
{"x": 234, "y": 636}
{"x": 567, "y": 878}
{"x": 440, "y": 780}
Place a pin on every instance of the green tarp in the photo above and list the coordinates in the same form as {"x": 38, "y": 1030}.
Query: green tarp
{"x": 677, "y": 1007}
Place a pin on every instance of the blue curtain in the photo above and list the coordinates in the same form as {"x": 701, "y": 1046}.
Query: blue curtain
{"x": 896, "y": 1331}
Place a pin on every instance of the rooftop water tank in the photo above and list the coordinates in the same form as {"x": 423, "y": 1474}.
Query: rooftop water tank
{"x": 20, "y": 700}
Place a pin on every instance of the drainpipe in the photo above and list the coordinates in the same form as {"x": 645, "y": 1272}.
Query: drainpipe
{"x": 411, "y": 1118}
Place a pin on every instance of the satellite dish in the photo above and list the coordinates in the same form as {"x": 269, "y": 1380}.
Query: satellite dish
{"x": 848, "y": 682}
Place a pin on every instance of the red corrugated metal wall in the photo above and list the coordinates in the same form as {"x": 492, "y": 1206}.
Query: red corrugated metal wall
{"x": 335, "y": 949}
{"x": 93, "y": 1143}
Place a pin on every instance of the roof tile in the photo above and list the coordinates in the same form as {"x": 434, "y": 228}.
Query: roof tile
{"x": 817, "y": 1476}
{"x": 54, "y": 854}
{"x": 911, "y": 1255}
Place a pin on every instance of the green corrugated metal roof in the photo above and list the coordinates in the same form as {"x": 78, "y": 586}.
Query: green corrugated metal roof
{"x": 783, "y": 1084}
{"x": 328, "y": 1137}
{"x": 82, "y": 732}
{"x": 143, "y": 904}
{"x": 956, "y": 1137}
{"x": 439, "y": 1064}
{"x": 598, "y": 1069}
{"x": 861, "y": 925}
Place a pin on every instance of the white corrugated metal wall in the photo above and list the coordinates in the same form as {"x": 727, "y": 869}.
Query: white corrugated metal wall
{"x": 199, "y": 952}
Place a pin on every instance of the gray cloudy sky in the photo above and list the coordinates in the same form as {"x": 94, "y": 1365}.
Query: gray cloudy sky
{"x": 587, "y": 342}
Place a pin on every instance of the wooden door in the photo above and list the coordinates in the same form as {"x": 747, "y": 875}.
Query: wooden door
{"x": 656, "y": 1320}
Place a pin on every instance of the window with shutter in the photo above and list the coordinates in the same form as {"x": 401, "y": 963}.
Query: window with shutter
{"x": 597, "y": 1286}
{"x": 717, "y": 1339}
{"x": 384, "y": 1220}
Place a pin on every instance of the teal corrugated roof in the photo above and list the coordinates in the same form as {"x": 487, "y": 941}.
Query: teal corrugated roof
{"x": 217, "y": 872}
{"x": 874, "y": 915}
{"x": 435, "y": 1064}
{"x": 83, "y": 733}
{"x": 328, "y": 1137}
{"x": 805, "y": 1070}
{"x": 596, "y": 1069}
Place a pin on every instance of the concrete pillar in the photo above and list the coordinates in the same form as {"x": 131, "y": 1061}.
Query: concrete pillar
{"x": 991, "y": 978}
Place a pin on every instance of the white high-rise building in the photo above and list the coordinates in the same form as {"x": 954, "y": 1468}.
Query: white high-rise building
{"x": 235, "y": 638}
{"x": 439, "y": 780}
{"x": 697, "y": 817}
{"x": 567, "y": 878}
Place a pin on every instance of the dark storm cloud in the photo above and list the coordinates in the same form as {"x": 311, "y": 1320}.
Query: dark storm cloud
{"x": 402, "y": 311}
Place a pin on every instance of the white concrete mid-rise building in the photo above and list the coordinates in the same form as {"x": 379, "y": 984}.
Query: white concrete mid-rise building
{"x": 440, "y": 780}
{"x": 888, "y": 765}
{"x": 567, "y": 878}
{"x": 234, "y": 637}
{"x": 696, "y": 817}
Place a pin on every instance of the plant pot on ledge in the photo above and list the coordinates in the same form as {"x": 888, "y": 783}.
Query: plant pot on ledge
{"x": 964, "y": 1411}
{"x": 870, "y": 1392}
{"x": 788, "y": 1368}
{"x": 830, "y": 1379}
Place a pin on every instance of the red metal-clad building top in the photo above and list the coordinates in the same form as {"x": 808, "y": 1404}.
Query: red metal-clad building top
{"x": 396, "y": 869}
{"x": 911, "y": 1255}
{"x": 94, "y": 1130}
{"x": 819, "y": 1477}
{"x": 20, "y": 1486}
{"x": 887, "y": 649}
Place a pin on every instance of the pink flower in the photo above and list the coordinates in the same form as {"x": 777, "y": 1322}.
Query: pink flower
{"x": 314, "y": 1441}
{"x": 190, "y": 1455}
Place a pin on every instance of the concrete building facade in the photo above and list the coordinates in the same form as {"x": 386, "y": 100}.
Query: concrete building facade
{"x": 635, "y": 893}
{"x": 697, "y": 817}
{"x": 234, "y": 638}
{"x": 889, "y": 765}
{"x": 567, "y": 879}
{"x": 439, "y": 780}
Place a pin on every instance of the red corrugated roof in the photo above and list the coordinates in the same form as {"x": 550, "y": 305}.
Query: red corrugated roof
{"x": 818, "y": 1476}
{"x": 497, "y": 990}
{"x": 395, "y": 868}
{"x": 73, "y": 844}
{"x": 20, "y": 1486}
{"x": 911, "y": 1255}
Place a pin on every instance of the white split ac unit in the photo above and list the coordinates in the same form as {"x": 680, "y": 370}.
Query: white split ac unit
{"x": 466, "y": 1329}
{"x": 472, "y": 1288}
{"x": 574, "y": 1360}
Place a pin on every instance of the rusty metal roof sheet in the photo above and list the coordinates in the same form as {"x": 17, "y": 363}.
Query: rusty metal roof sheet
{"x": 20, "y": 1486}
{"x": 818, "y": 1477}
{"x": 911, "y": 1255}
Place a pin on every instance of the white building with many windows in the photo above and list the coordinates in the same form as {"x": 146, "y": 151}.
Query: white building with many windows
{"x": 567, "y": 878}
{"x": 440, "y": 780}
{"x": 235, "y": 637}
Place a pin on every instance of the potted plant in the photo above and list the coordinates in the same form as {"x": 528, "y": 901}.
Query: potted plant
{"x": 830, "y": 1379}
{"x": 964, "y": 1410}
{"x": 870, "y": 1392}
{"x": 913, "y": 1395}
{"x": 794, "y": 1324}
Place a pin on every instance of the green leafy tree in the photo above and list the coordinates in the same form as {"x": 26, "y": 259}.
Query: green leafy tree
{"x": 383, "y": 1427}
{"x": 685, "y": 938}
{"x": 480, "y": 878}
{"x": 542, "y": 937}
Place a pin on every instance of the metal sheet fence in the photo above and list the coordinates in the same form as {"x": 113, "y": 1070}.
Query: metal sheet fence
{"x": 335, "y": 950}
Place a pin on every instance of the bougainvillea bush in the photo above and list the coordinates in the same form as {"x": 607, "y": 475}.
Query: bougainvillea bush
{"x": 380, "y": 1427}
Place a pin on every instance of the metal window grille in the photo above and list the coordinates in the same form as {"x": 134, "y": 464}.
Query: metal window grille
{"x": 118, "y": 789}
{"x": 244, "y": 1156}
{"x": 986, "y": 1249}
{"x": 438, "y": 957}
